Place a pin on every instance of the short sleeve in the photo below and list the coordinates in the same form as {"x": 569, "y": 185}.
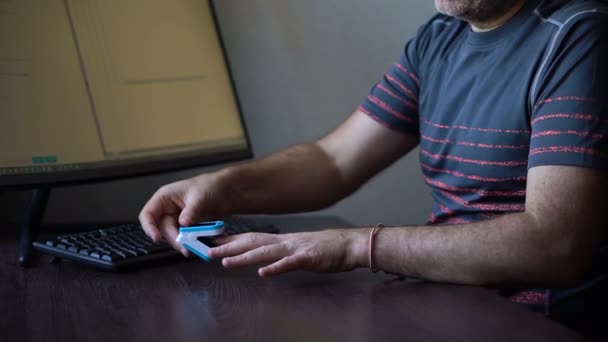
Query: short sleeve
{"x": 394, "y": 100}
{"x": 570, "y": 117}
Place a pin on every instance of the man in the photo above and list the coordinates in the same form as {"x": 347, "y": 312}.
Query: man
{"x": 506, "y": 99}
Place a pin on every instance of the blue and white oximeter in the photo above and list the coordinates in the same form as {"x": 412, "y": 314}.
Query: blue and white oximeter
{"x": 188, "y": 237}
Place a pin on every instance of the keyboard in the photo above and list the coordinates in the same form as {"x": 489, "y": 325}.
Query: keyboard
{"x": 122, "y": 247}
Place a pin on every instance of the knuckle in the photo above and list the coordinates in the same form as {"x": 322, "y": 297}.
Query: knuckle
{"x": 312, "y": 255}
{"x": 290, "y": 245}
{"x": 251, "y": 237}
{"x": 162, "y": 190}
{"x": 145, "y": 218}
{"x": 243, "y": 259}
{"x": 266, "y": 251}
{"x": 284, "y": 248}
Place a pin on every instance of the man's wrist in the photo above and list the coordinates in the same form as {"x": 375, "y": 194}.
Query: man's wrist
{"x": 222, "y": 185}
{"x": 228, "y": 180}
{"x": 359, "y": 243}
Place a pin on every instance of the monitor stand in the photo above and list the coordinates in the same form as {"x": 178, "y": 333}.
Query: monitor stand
{"x": 31, "y": 223}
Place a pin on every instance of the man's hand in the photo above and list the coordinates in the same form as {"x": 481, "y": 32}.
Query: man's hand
{"x": 322, "y": 252}
{"x": 183, "y": 203}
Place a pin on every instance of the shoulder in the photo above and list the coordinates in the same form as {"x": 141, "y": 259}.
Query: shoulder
{"x": 577, "y": 50}
{"x": 569, "y": 13}
{"x": 578, "y": 25}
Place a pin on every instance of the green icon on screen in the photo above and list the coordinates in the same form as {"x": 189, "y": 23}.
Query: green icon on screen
{"x": 44, "y": 160}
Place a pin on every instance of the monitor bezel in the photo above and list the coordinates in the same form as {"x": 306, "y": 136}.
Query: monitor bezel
{"x": 145, "y": 168}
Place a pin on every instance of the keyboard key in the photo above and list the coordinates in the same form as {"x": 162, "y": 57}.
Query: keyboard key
{"x": 112, "y": 257}
{"x": 104, "y": 250}
{"x": 131, "y": 252}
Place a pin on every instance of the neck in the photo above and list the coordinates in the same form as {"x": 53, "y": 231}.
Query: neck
{"x": 492, "y": 24}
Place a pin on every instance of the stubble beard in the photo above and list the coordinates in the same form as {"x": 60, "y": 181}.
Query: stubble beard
{"x": 475, "y": 11}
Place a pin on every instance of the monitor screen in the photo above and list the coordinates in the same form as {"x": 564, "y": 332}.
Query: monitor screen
{"x": 100, "y": 89}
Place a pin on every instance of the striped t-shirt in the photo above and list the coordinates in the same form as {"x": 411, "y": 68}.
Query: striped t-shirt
{"x": 488, "y": 106}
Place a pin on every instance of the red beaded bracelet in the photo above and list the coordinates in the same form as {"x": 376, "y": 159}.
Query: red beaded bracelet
{"x": 372, "y": 236}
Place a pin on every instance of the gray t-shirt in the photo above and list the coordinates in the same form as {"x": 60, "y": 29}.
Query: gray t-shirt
{"x": 488, "y": 106}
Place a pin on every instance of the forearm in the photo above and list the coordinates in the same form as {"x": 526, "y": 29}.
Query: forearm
{"x": 313, "y": 176}
{"x": 300, "y": 178}
{"x": 511, "y": 250}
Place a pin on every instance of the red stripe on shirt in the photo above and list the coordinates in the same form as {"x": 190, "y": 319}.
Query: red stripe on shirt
{"x": 403, "y": 87}
{"x": 450, "y": 220}
{"x": 488, "y": 216}
{"x": 512, "y": 163}
{"x": 481, "y": 206}
{"x": 445, "y": 209}
{"x": 474, "y": 177}
{"x": 491, "y": 130}
{"x": 566, "y": 98}
{"x": 470, "y": 144}
{"x": 432, "y": 218}
{"x": 480, "y": 192}
{"x": 386, "y": 107}
{"x": 411, "y": 74}
{"x": 565, "y": 149}
{"x": 373, "y": 116}
{"x": 585, "y": 117}
{"x": 397, "y": 97}
{"x": 457, "y": 220}
{"x": 529, "y": 297}
{"x": 585, "y": 134}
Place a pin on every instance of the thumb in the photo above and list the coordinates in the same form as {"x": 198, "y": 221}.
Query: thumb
{"x": 187, "y": 217}
{"x": 191, "y": 213}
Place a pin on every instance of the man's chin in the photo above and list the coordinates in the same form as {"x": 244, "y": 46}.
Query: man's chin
{"x": 478, "y": 11}
{"x": 454, "y": 8}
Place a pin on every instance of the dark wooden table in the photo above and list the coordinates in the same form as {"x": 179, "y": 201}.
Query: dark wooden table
{"x": 195, "y": 301}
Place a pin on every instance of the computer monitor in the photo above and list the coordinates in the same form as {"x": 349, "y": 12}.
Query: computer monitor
{"x": 92, "y": 90}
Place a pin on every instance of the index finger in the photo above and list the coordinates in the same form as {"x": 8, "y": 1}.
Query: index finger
{"x": 169, "y": 229}
{"x": 241, "y": 243}
{"x": 149, "y": 217}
